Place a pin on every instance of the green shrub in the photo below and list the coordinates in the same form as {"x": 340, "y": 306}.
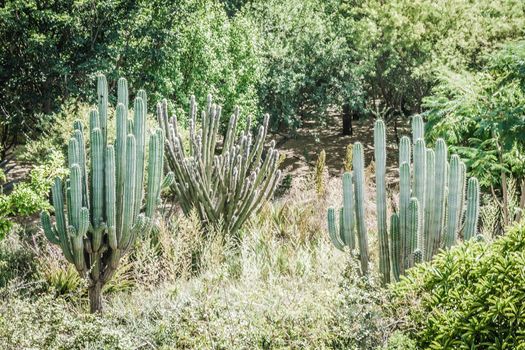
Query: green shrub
{"x": 48, "y": 323}
{"x": 17, "y": 261}
{"x": 31, "y": 196}
{"x": 470, "y": 296}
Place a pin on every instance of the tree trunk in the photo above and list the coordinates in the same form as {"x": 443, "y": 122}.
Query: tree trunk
{"x": 347, "y": 120}
{"x": 95, "y": 297}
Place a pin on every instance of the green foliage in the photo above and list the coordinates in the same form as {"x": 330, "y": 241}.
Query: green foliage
{"x": 17, "y": 261}
{"x": 403, "y": 44}
{"x": 307, "y": 65}
{"x": 173, "y": 48}
{"x": 31, "y": 196}
{"x": 481, "y": 113}
{"x": 469, "y": 296}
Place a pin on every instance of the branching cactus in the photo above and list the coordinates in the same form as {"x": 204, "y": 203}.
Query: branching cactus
{"x": 431, "y": 202}
{"x": 225, "y": 186}
{"x": 100, "y": 209}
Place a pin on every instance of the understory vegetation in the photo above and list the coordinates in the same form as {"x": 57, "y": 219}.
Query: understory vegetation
{"x": 248, "y": 174}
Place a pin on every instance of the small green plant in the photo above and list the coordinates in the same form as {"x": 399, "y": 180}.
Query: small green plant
{"x": 98, "y": 209}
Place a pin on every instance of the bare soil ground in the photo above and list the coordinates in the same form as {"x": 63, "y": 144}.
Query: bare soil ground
{"x": 302, "y": 150}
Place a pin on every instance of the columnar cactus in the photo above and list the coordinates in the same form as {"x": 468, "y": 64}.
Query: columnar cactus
{"x": 224, "y": 186}
{"x": 431, "y": 202}
{"x": 99, "y": 212}
{"x": 382, "y": 231}
{"x": 471, "y": 221}
{"x": 358, "y": 164}
{"x": 395, "y": 246}
{"x": 345, "y": 235}
{"x": 456, "y": 189}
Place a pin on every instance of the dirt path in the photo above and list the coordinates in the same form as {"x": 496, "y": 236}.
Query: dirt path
{"x": 302, "y": 150}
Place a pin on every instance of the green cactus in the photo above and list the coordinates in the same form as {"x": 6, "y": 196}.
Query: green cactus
{"x": 472, "y": 215}
{"x": 225, "y": 187}
{"x": 345, "y": 235}
{"x": 413, "y": 231}
{"x": 404, "y": 202}
{"x": 439, "y": 199}
{"x": 395, "y": 246}
{"x": 382, "y": 231}
{"x": 358, "y": 164}
{"x": 104, "y": 207}
{"x": 454, "y": 201}
{"x": 431, "y": 202}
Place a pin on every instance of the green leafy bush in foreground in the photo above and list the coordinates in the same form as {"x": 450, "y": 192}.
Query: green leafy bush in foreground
{"x": 471, "y": 297}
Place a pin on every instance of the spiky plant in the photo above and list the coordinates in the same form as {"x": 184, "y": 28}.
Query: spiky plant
{"x": 227, "y": 184}
{"x": 101, "y": 208}
{"x": 430, "y": 217}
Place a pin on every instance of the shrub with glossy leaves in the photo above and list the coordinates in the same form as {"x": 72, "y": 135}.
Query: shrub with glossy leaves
{"x": 472, "y": 296}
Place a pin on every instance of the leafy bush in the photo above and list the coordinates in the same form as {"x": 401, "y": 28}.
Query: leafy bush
{"x": 472, "y": 295}
{"x": 307, "y": 65}
{"x": 481, "y": 113}
{"x": 30, "y": 197}
{"x": 48, "y": 323}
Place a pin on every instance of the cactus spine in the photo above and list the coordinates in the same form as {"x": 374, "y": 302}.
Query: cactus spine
{"x": 225, "y": 187}
{"x": 382, "y": 231}
{"x": 104, "y": 207}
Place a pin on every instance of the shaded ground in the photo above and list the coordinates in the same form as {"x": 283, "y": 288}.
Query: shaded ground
{"x": 302, "y": 150}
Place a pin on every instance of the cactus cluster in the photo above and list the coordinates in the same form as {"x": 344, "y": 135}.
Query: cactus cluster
{"x": 225, "y": 186}
{"x": 99, "y": 209}
{"x": 433, "y": 211}
{"x": 352, "y": 214}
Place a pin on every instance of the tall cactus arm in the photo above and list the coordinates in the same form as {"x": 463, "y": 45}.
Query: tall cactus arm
{"x": 359, "y": 184}
{"x": 110, "y": 199}
{"x": 347, "y": 233}
{"x": 122, "y": 92}
{"x": 139, "y": 131}
{"x": 420, "y": 174}
{"x": 413, "y": 228}
{"x": 79, "y": 135}
{"x": 120, "y": 160}
{"x": 472, "y": 215}
{"x": 380, "y": 159}
{"x": 404, "y": 202}
{"x": 332, "y": 230}
{"x": 428, "y": 241}
{"x": 49, "y": 230}
{"x": 455, "y": 199}
{"x": 102, "y": 96}
{"x": 418, "y": 128}
{"x": 156, "y": 144}
{"x": 440, "y": 184}
{"x": 395, "y": 246}
{"x": 129, "y": 190}
{"x": 97, "y": 175}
